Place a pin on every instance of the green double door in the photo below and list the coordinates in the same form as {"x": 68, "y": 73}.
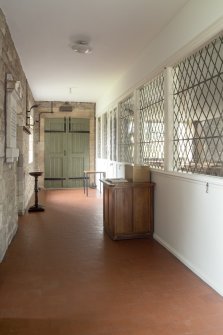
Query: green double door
{"x": 66, "y": 152}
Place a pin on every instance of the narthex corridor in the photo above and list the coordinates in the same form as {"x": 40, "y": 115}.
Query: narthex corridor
{"x": 63, "y": 275}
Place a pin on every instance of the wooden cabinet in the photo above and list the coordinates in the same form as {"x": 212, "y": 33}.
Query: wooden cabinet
{"x": 128, "y": 209}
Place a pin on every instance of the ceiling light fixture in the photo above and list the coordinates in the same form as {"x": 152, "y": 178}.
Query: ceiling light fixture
{"x": 82, "y": 47}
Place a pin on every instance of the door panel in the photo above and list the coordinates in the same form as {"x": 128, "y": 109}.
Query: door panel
{"x": 142, "y": 210}
{"x": 78, "y": 125}
{"x": 56, "y": 125}
{"x": 123, "y": 210}
{"x": 75, "y": 171}
{"x": 54, "y": 160}
{"x": 78, "y": 148}
{"x": 66, "y": 152}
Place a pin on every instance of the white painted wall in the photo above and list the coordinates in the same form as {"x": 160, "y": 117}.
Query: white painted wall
{"x": 197, "y": 22}
{"x": 189, "y": 222}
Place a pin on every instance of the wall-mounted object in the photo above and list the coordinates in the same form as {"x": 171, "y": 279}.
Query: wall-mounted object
{"x": 43, "y": 112}
{"x": 66, "y": 107}
{"x": 26, "y": 130}
{"x": 13, "y": 106}
{"x": 28, "y": 116}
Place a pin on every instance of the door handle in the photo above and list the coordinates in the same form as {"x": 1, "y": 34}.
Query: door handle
{"x": 65, "y": 153}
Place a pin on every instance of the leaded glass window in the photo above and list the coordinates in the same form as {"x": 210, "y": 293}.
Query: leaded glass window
{"x": 105, "y": 136}
{"x": 110, "y": 138}
{"x": 126, "y": 121}
{"x": 113, "y": 134}
{"x": 151, "y": 99}
{"x": 198, "y": 111}
{"x": 99, "y": 138}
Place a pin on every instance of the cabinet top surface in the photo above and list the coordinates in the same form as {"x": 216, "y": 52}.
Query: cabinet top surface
{"x": 126, "y": 184}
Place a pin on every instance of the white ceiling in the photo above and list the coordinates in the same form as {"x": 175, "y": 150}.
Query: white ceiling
{"x": 118, "y": 31}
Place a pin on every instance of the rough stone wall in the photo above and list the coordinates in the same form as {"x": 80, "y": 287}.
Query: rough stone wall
{"x": 15, "y": 185}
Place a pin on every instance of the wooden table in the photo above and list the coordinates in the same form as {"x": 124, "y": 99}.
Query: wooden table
{"x": 86, "y": 178}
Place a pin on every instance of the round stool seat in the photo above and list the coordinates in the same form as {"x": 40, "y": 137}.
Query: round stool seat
{"x": 36, "y": 174}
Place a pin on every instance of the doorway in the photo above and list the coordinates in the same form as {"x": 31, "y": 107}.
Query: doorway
{"x": 66, "y": 151}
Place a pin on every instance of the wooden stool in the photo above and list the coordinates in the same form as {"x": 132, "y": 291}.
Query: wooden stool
{"x": 36, "y": 207}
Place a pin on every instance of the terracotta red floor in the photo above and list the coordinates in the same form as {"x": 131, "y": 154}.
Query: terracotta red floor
{"x": 63, "y": 275}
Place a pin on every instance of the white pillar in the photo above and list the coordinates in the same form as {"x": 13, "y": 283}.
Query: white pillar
{"x": 168, "y": 119}
{"x": 136, "y": 127}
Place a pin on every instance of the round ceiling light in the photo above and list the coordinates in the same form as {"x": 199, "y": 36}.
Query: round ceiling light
{"x": 82, "y": 47}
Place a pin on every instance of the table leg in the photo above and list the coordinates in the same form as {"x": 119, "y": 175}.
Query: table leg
{"x": 84, "y": 182}
{"x": 87, "y": 178}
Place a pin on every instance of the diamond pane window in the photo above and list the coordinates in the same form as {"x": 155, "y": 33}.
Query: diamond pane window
{"x": 113, "y": 134}
{"x": 198, "y": 111}
{"x": 151, "y": 97}
{"x": 99, "y": 138}
{"x": 126, "y": 121}
{"x": 105, "y": 136}
{"x": 110, "y": 139}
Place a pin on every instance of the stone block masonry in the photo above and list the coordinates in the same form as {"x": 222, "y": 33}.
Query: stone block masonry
{"x": 13, "y": 187}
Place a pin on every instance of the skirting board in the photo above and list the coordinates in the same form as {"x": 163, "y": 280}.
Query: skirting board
{"x": 9, "y": 240}
{"x": 12, "y": 233}
{"x": 187, "y": 264}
